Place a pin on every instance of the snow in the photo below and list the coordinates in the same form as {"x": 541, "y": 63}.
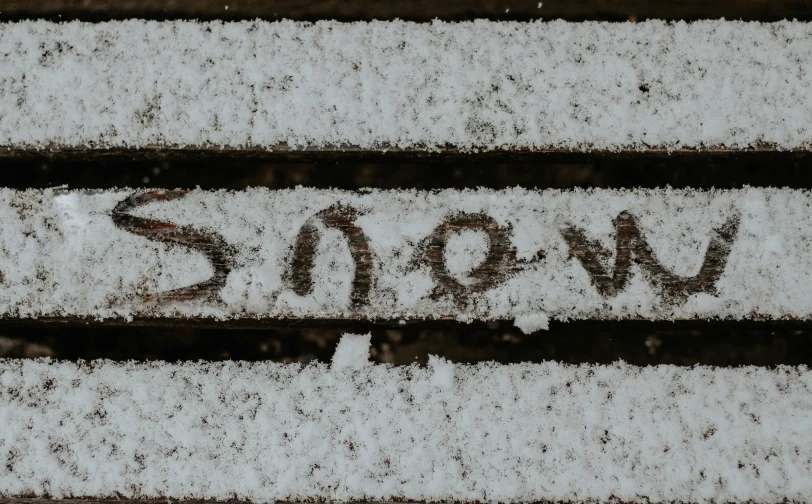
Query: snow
{"x": 488, "y": 433}
{"x": 476, "y": 85}
{"x": 352, "y": 351}
{"x": 532, "y": 322}
{"x": 62, "y": 255}
{"x": 442, "y": 372}
{"x": 465, "y": 251}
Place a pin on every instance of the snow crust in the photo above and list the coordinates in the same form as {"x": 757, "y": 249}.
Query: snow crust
{"x": 62, "y": 255}
{"x": 474, "y": 85}
{"x": 508, "y": 433}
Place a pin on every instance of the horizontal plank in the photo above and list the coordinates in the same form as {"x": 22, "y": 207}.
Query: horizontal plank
{"x": 415, "y": 10}
{"x": 514, "y": 254}
{"x": 382, "y": 90}
{"x": 350, "y": 430}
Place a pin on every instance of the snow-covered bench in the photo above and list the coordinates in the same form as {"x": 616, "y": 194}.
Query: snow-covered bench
{"x": 394, "y": 90}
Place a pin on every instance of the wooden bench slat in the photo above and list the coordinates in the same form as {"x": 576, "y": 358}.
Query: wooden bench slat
{"x": 350, "y": 430}
{"x": 389, "y": 255}
{"x": 356, "y": 89}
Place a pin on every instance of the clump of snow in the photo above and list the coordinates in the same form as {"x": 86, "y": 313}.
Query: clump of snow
{"x": 443, "y": 376}
{"x": 532, "y": 322}
{"x": 352, "y": 351}
{"x": 473, "y": 85}
{"x": 269, "y": 432}
{"x": 61, "y": 254}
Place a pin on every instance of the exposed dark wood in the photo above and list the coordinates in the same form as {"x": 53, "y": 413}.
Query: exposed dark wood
{"x": 304, "y": 253}
{"x": 350, "y": 323}
{"x": 216, "y": 250}
{"x": 632, "y": 247}
{"x": 354, "y": 322}
{"x": 283, "y": 153}
{"x": 415, "y": 10}
{"x": 499, "y": 262}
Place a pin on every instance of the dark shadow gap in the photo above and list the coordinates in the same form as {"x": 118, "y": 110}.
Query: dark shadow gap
{"x": 239, "y": 174}
{"x": 413, "y": 10}
{"x": 636, "y": 342}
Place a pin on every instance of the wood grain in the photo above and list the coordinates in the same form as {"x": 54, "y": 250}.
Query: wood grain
{"x": 499, "y": 264}
{"x": 211, "y": 245}
{"x": 632, "y": 247}
{"x": 304, "y": 253}
{"x": 500, "y": 260}
{"x": 415, "y": 10}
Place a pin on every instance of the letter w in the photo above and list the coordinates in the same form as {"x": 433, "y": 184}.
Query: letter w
{"x": 631, "y": 247}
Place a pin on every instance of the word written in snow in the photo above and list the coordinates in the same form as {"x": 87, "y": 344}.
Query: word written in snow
{"x": 304, "y": 253}
{"x": 211, "y": 245}
{"x": 631, "y": 247}
{"x": 500, "y": 261}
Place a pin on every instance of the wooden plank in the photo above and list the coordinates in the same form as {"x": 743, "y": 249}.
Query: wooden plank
{"x": 364, "y": 256}
{"x": 403, "y": 90}
{"x": 416, "y": 10}
{"x": 273, "y": 432}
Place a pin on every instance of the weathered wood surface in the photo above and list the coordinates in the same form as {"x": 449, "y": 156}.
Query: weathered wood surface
{"x": 213, "y": 247}
{"x": 417, "y": 10}
{"x": 631, "y": 246}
